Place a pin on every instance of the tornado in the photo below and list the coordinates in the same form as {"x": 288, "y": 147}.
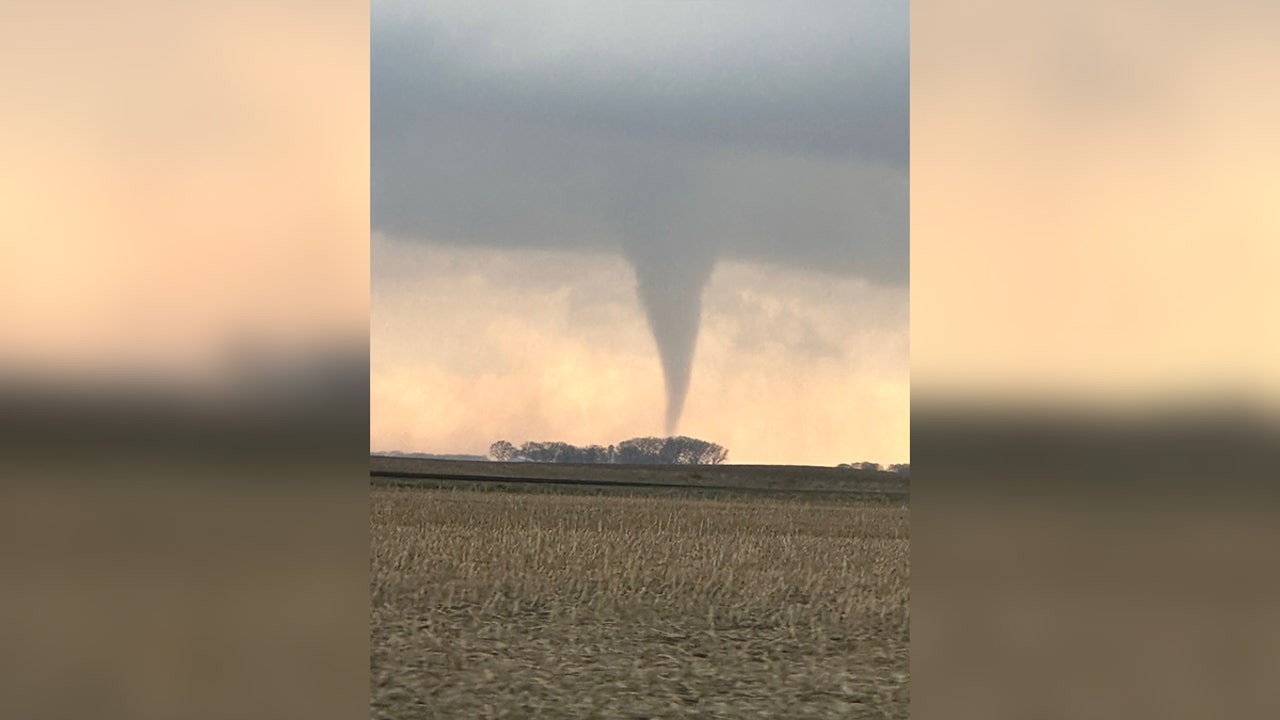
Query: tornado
{"x": 670, "y": 279}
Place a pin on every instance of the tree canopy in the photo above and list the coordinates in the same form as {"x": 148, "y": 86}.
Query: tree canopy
{"x": 678, "y": 450}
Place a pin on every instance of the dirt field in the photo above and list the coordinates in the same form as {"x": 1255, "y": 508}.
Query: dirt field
{"x": 742, "y": 478}
{"x": 490, "y": 604}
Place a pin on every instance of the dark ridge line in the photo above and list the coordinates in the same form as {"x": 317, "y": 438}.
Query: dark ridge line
{"x": 647, "y": 466}
{"x": 408, "y": 475}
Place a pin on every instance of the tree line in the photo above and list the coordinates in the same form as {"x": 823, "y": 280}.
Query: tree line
{"x": 899, "y": 468}
{"x": 679, "y": 450}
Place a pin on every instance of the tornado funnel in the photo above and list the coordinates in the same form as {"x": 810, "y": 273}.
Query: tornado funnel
{"x": 669, "y": 283}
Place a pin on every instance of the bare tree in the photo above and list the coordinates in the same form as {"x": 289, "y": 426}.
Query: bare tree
{"x": 502, "y": 451}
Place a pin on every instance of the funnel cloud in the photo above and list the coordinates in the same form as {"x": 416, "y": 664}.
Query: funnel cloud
{"x": 669, "y": 282}
{"x": 675, "y": 135}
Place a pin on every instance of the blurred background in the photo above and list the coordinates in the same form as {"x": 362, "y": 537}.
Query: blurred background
{"x": 1094, "y": 359}
{"x": 183, "y": 359}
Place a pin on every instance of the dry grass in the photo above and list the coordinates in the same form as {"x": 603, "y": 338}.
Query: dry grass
{"x": 497, "y": 605}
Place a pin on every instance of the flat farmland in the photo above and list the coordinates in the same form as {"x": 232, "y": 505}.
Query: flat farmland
{"x": 493, "y": 604}
{"x": 767, "y": 479}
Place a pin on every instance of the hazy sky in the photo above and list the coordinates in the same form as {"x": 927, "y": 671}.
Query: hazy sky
{"x": 161, "y": 217}
{"x": 599, "y": 220}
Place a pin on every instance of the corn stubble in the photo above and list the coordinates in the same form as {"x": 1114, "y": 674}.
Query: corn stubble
{"x": 518, "y": 605}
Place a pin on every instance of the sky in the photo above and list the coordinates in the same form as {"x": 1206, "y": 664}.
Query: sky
{"x": 161, "y": 218}
{"x": 1094, "y": 220}
{"x": 594, "y": 221}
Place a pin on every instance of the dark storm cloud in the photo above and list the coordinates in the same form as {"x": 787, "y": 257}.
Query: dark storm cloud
{"x": 797, "y": 88}
{"x": 674, "y": 133}
{"x": 478, "y": 138}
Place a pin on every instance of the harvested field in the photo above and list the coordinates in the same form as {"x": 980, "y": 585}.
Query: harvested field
{"x": 541, "y": 605}
{"x": 771, "y": 479}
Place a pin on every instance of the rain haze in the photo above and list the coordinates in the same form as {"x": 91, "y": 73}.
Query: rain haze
{"x": 596, "y": 221}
